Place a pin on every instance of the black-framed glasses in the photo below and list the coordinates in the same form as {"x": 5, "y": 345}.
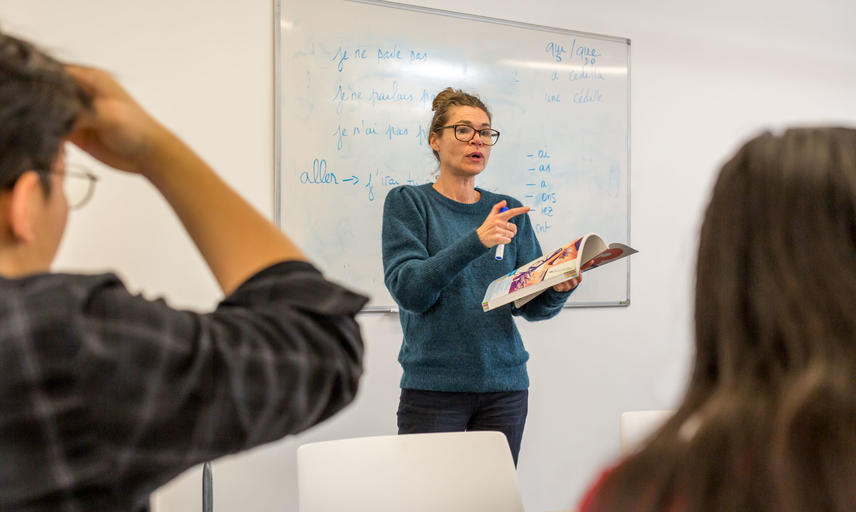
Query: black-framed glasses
{"x": 78, "y": 183}
{"x": 465, "y": 133}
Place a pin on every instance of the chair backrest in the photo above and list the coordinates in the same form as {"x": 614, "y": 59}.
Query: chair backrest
{"x": 450, "y": 472}
{"x": 636, "y": 426}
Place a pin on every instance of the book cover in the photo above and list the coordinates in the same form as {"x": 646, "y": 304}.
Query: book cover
{"x": 562, "y": 264}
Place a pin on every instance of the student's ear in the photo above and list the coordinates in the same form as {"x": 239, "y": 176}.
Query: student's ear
{"x": 24, "y": 198}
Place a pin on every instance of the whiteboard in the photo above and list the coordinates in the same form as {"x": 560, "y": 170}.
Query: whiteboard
{"x": 355, "y": 81}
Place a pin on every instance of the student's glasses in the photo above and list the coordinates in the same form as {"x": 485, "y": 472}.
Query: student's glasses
{"x": 465, "y": 133}
{"x": 79, "y": 185}
{"x": 77, "y": 181}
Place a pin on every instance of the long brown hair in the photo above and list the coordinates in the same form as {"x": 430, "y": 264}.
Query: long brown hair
{"x": 446, "y": 99}
{"x": 768, "y": 421}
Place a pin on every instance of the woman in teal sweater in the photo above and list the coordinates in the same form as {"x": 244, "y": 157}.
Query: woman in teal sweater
{"x": 464, "y": 369}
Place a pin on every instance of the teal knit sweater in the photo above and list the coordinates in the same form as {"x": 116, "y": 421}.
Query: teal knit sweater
{"x": 437, "y": 270}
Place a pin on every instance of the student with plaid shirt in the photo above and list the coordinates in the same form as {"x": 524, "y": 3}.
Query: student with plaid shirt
{"x": 104, "y": 395}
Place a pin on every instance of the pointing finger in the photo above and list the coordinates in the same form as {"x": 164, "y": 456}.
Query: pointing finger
{"x": 513, "y": 212}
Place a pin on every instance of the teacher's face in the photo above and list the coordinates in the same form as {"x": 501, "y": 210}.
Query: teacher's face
{"x": 457, "y": 157}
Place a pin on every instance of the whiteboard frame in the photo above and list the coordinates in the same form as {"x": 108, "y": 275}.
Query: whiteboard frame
{"x": 277, "y": 100}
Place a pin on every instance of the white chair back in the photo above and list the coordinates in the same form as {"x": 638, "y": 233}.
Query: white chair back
{"x": 449, "y": 472}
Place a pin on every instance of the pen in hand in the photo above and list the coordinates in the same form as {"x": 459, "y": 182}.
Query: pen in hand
{"x": 500, "y": 249}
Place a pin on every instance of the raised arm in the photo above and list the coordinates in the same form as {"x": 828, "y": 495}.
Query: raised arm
{"x": 233, "y": 238}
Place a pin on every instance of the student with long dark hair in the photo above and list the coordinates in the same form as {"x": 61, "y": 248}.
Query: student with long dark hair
{"x": 768, "y": 422}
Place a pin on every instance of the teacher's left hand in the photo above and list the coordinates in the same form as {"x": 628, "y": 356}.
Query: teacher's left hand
{"x": 566, "y": 286}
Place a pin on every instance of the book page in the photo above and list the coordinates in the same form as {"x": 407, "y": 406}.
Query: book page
{"x": 563, "y": 260}
{"x": 560, "y": 265}
{"x": 594, "y": 253}
{"x": 526, "y": 282}
{"x": 613, "y": 252}
{"x": 519, "y": 303}
{"x": 591, "y": 246}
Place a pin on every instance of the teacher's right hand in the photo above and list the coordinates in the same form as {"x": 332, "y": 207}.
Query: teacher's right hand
{"x": 497, "y": 228}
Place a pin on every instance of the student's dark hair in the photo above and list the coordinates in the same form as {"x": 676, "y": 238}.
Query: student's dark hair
{"x": 39, "y": 103}
{"x": 448, "y": 98}
{"x": 768, "y": 421}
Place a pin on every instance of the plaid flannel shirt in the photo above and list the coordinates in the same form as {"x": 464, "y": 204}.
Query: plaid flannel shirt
{"x": 105, "y": 395}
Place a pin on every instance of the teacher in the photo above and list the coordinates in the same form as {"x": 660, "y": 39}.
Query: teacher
{"x": 464, "y": 369}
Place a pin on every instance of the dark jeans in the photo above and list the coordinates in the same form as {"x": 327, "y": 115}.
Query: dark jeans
{"x": 421, "y": 412}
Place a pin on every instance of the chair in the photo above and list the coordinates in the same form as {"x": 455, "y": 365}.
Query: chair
{"x": 452, "y": 472}
{"x": 636, "y": 426}
{"x": 181, "y": 493}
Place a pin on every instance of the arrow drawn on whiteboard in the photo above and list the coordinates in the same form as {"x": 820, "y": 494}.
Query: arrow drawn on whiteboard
{"x": 352, "y": 178}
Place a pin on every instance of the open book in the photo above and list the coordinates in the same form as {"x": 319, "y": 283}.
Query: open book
{"x": 566, "y": 262}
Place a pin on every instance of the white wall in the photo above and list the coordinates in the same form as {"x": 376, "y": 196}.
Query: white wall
{"x": 703, "y": 78}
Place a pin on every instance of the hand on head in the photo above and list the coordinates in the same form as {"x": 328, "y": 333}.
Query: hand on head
{"x": 497, "y": 228}
{"x": 117, "y": 131}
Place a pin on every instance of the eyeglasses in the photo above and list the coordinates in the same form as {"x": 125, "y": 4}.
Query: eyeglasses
{"x": 465, "y": 133}
{"x": 79, "y": 185}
